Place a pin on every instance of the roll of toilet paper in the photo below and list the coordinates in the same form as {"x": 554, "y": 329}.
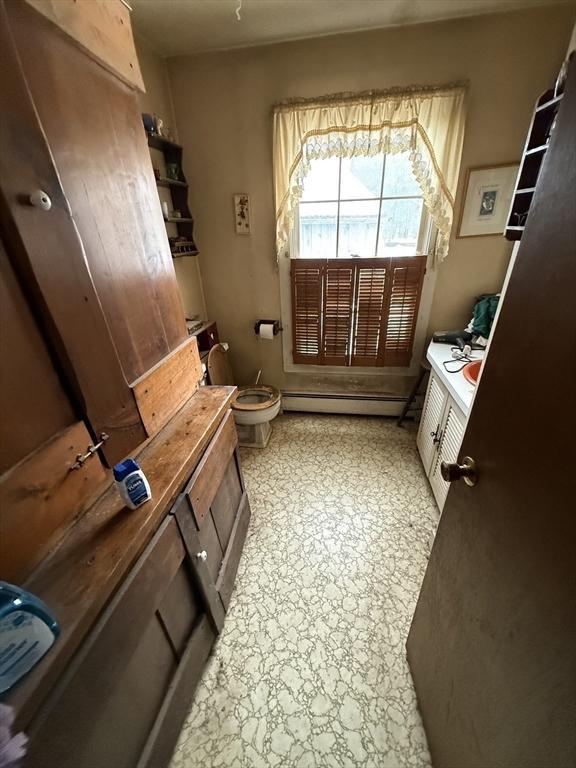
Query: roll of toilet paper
{"x": 266, "y": 331}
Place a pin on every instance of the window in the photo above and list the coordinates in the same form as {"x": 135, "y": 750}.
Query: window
{"x": 358, "y": 269}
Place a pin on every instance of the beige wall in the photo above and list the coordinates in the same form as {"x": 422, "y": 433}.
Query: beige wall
{"x": 223, "y": 107}
{"x": 158, "y": 100}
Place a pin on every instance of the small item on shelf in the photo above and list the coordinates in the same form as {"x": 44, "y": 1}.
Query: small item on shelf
{"x": 27, "y": 631}
{"x": 160, "y": 129}
{"x": 176, "y": 214}
{"x": 173, "y": 171}
{"x": 132, "y": 483}
{"x": 149, "y": 123}
{"x": 165, "y": 209}
{"x": 182, "y": 246}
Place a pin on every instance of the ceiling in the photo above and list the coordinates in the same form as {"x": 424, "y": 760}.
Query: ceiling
{"x": 174, "y": 27}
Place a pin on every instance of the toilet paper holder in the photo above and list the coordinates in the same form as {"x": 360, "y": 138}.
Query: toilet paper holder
{"x": 276, "y": 323}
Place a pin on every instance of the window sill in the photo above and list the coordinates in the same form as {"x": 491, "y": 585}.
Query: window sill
{"x": 349, "y": 370}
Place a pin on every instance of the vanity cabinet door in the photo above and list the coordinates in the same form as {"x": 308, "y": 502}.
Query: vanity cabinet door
{"x": 429, "y": 433}
{"x": 453, "y": 427}
{"x": 217, "y": 504}
{"x": 124, "y": 697}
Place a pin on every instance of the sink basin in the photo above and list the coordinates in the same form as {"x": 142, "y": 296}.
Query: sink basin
{"x": 471, "y": 371}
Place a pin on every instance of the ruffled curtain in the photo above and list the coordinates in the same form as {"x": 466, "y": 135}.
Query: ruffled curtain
{"x": 426, "y": 122}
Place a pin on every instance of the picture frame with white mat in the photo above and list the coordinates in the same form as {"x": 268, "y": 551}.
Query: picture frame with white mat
{"x": 488, "y": 192}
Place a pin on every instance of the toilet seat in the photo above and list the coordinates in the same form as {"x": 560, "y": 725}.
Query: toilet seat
{"x": 250, "y": 398}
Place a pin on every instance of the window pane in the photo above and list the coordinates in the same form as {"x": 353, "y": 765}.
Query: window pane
{"x": 399, "y": 226}
{"x": 321, "y": 182}
{"x": 361, "y": 177}
{"x": 318, "y": 230}
{"x": 358, "y": 225}
{"x": 398, "y": 177}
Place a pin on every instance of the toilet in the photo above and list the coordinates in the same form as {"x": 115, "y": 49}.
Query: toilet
{"x": 254, "y": 407}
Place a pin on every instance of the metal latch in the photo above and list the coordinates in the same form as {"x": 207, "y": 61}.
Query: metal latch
{"x": 81, "y": 458}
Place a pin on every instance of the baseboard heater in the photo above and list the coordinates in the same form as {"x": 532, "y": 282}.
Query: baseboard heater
{"x": 353, "y": 404}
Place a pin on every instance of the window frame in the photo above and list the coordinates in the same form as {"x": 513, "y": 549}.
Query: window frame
{"x": 426, "y": 230}
{"x": 426, "y": 239}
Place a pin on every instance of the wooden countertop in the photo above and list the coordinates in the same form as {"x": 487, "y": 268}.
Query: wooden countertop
{"x": 79, "y": 577}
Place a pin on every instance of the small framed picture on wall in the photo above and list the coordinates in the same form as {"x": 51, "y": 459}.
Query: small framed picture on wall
{"x": 488, "y": 192}
{"x": 242, "y": 214}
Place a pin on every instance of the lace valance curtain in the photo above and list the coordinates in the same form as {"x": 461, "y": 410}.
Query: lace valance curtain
{"x": 426, "y": 122}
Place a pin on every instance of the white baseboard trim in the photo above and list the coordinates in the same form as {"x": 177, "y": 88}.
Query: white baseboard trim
{"x": 356, "y": 404}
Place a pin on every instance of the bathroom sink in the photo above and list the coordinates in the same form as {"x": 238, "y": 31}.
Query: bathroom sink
{"x": 471, "y": 371}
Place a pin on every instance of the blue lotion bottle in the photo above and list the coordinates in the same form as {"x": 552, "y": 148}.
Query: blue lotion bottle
{"x": 27, "y": 631}
{"x": 132, "y": 483}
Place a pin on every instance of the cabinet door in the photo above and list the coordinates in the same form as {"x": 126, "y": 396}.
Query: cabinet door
{"x": 452, "y": 432}
{"x": 429, "y": 431}
{"x": 220, "y": 509}
{"x": 125, "y": 695}
{"x": 40, "y": 437}
{"x": 96, "y": 263}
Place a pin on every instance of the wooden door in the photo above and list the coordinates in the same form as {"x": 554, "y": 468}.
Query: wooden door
{"x": 96, "y": 264}
{"x": 217, "y": 500}
{"x": 492, "y": 647}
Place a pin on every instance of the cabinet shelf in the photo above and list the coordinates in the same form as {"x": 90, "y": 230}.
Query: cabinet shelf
{"x": 550, "y": 103}
{"x": 164, "y": 182}
{"x": 175, "y": 220}
{"x": 536, "y": 150}
{"x": 159, "y": 142}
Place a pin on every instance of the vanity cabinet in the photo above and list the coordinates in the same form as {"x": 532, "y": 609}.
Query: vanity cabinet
{"x": 124, "y": 695}
{"x": 127, "y": 684}
{"x": 440, "y": 434}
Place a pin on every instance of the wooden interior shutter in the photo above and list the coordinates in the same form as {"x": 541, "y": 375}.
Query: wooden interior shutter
{"x": 307, "y": 277}
{"x": 406, "y": 275}
{"x": 370, "y": 309}
{"x": 339, "y": 284}
{"x": 359, "y": 312}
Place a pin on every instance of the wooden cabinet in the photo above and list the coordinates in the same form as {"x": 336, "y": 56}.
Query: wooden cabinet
{"x": 124, "y": 696}
{"x": 440, "y": 435}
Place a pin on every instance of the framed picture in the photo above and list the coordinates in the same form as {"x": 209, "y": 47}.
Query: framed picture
{"x": 242, "y": 214}
{"x": 487, "y": 194}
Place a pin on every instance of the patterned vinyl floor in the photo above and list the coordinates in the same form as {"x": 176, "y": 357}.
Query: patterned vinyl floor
{"x": 310, "y": 670}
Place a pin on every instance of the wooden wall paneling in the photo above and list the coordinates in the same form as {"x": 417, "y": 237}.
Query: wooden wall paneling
{"x": 49, "y": 259}
{"x": 93, "y": 126}
{"x": 102, "y": 28}
{"x": 164, "y": 389}
{"x": 33, "y": 403}
{"x": 39, "y": 498}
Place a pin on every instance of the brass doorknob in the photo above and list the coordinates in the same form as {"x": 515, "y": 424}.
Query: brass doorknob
{"x": 465, "y": 471}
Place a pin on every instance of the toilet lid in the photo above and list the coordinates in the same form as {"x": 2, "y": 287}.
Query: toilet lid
{"x": 219, "y": 367}
{"x": 255, "y": 398}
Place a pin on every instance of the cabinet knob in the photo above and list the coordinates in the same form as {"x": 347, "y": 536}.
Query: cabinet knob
{"x": 202, "y": 555}
{"x": 465, "y": 471}
{"x": 39, "y": 199}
